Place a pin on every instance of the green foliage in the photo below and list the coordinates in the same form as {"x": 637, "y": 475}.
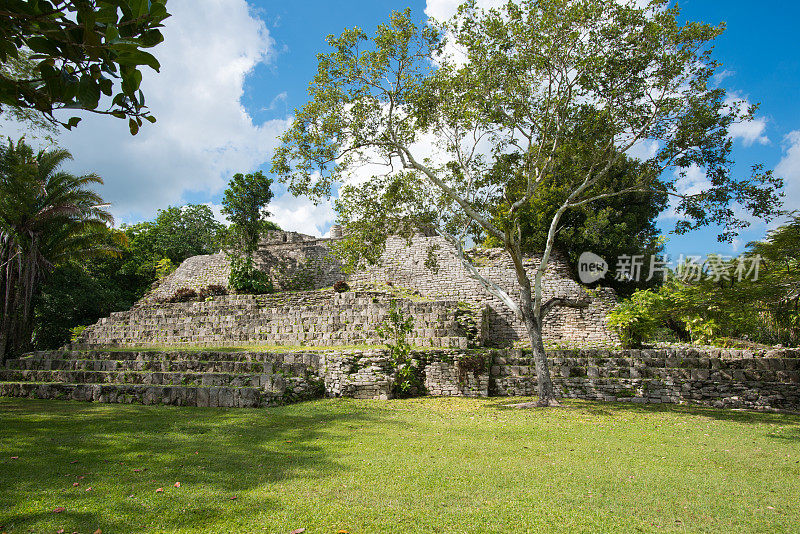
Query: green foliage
{"x": 726, "y": 304}
{"x": 394, "y": 330}
{"x": 177, "y": 233}
{"x": 78, "y": 293}
{"x": 164, "y": 267}
{"x": 246, "y": 278}
{"x": 84, "y": 53}
{"x": 637, "y": 319}
{"x": 479, "y": 144}
{"x": 243, "y": 204}
{"x": 613, "y": 226}
{"x": 76, "y": 332}
{"x": 47, "y": 217}
{"x": 91, "y": 287}
{"x": 22, "y": 67}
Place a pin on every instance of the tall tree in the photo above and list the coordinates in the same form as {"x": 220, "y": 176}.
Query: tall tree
{"x": 80, "y": 49}
{"x": 614, "y": 227}
{"x": 519, "y": 79}
{"x": 177, "y": 233}
{"x": 245, "y": 204}
{"x": 46, "y": 216}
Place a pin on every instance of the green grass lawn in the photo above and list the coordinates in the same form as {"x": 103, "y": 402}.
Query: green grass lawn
{"x": 403, "y": 466}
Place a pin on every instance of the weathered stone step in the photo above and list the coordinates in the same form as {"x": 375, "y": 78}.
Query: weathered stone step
{"x": 775, "y": 395}
{"x": 565, "y": 370}
{"x": 165, "y": 366}
{"x": 305, "y": 358}
{"x": 227, "y": 397}
{"x": 668, "y": 362}
{"x": 269, "y": 382}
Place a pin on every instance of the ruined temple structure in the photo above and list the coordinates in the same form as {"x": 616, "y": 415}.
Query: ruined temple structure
{"x": 450, "y": 309}
{"x": 309, "y": 341}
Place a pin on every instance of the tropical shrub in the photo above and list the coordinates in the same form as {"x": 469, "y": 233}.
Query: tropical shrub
{"x": 183, "y": 294}
{"x": 246, "y": 278}
{"x": 341, "y": 286}
{"x": 394, "y": 330}
{"x": 637, "y": 319}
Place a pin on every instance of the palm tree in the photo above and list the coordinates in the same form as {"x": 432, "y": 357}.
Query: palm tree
{"x": 47, "y": 216}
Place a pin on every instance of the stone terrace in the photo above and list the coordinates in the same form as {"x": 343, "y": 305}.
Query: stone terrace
{"x": 224, "y": 379}
{"x": 720, "y": 378}
{"x": 310, "y": 318}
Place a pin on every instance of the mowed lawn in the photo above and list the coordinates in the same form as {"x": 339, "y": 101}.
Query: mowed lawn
{"x": 404, "y": 466}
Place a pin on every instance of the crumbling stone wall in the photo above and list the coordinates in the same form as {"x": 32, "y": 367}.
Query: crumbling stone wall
{"x": 314, "y": 318}
{"x": 298, "y": 261}
{"x": 294, "y": 261}
{"x": 407, "y": 263}
{"x": 719, "y": 378}
{"x": 195, "y": 273}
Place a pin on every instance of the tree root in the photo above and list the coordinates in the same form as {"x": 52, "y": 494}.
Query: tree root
{"x": 545, "y": 403}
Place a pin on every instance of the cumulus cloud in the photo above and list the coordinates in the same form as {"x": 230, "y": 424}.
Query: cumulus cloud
{"x": 300, "y": 215}
{"x": 644, "y": 149}
{"x": 789, "y": 169}
{"x": 748, "y": 132}
{"x": 689, "y": 181}
{"x": 203, "y": 134}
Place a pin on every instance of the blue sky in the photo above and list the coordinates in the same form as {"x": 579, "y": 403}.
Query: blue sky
{"x": 233, "y": 72}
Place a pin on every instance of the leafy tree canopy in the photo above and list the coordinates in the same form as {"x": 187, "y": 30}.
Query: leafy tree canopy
{"x": 47, "y": 218}
{"x": 244, "y": 204}
{"x": 178, "y": 233}
{"x": 711, "y": 308}
{"x": 517, "y": 82}
{"x": 70, "y": 54}
{"x": 613, "y": 226}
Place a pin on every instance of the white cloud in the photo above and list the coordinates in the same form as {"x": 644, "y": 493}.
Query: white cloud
{"x": 722, "y": 75}
{"x": 442, "y": 10}
{"x": 748, "y": 132}
{"x": 693, "y": 181}
{"x": 301, "y": 215}
{"x": 789, "y": 169}
{"x": 203, "y": 134}
{"x": 644, "y": 149}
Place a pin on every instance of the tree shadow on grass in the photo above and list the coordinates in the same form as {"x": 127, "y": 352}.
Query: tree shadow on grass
{"x": 228, "y": 462}
{"x": 610, "y": 409}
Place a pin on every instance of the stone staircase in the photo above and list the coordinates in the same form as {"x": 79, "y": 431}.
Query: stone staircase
{"x": 181, "y": 378}
{"x": 311, "y": 318}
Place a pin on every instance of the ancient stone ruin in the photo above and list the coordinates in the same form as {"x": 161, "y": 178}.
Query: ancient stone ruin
{"x": 467, "y": 343}
{"x": 438, "y": 297}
